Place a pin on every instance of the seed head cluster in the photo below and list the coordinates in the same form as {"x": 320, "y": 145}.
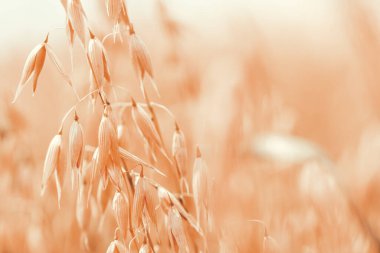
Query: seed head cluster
{"x": 148, "y": 193}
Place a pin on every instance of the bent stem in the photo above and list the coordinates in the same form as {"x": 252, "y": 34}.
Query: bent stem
{"x": 74, "y": 106}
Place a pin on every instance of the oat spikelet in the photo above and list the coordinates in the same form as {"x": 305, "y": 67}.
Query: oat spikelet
{"x": 106, "y": 134}
{"x": 179, "y": 150}
{"x": 164, "y": 199}
{"x": 177, "y": 229}
{"x": 140, "y": 58}
{"x": 122, "y": 135}
{"x": 76, "y": 143}
{"x": 145, "y": 248}
{"x": 116, "y": 247}
{"x": 167, "y": 199}
{"x": 51, "y": 159}
{"x": 32, "y": 68}
{"x": 144, "y": 124}
{"x": 92, "y": 87}
{"x": 98, "y": 61}
{"x": 151, "y": 201}
{"x": 145, "y": 196}
{"x": 179, "y": 153}
{"x": 110, "y": 134}
{"x": 138, "y": 202}
{"x": 104, "y": 175}
{"x": 78, "y": 19}
{"x": 114, "y": 173}
{"x": 120, "y": 208}
{"x": 200, "y": 186}
{"x": 98, "y": 163}
{"x": 59, "y": 174}
{"x": 114, "y": 9}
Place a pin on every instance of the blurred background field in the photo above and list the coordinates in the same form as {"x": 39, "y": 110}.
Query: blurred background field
{"x": 232, "y": 71}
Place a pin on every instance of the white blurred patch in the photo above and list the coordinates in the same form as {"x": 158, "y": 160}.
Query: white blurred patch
{"x": 284, "y": 148}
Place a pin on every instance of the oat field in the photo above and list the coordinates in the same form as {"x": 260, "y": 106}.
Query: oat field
{"x": 190, "y": 126}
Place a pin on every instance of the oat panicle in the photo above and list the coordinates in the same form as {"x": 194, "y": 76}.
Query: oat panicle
{"x": 118, "y": 164}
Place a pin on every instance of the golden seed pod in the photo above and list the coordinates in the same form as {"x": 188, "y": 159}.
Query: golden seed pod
{"x": 138, "y": 203}
{"x": 114, "y": 173}
{"x": 116, "y": 247}
{"x": 98, "y": 61}
{"x": 78, "y": 20}
{"x": 76, "y": 144}
{"x": 167, "y": 200}
{"x": 97, "y": 164}
{"x": 32, "y": 68}
{"x": 151, "y": 201}
{"x": 104, "y": 138}
{"x": 145, "y": 248}
{"x": 107, "y": 140}
{"x": 120, "y": 208}
{"x": 200, "y": 186}
{"x": 92, "y": 87}
{"x": 95, "y": 58}
{"x": 164, "y": 199}
{"x": 51, "y": 159}
{"x": 114, "y": 9}
{"x": 179, "y": 151}
{"x": 177, "y": 229}
{"x": 145, "y": 196}
{"x": 178, "y": 142}
{"x": 140, "y": 56}
{"x": 122, "y": 135}
{"x": 59, "y": 174}
{"x": 144, "y": 124}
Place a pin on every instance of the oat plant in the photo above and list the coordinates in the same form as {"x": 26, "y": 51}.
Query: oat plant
{"x": 154, "y": 208}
